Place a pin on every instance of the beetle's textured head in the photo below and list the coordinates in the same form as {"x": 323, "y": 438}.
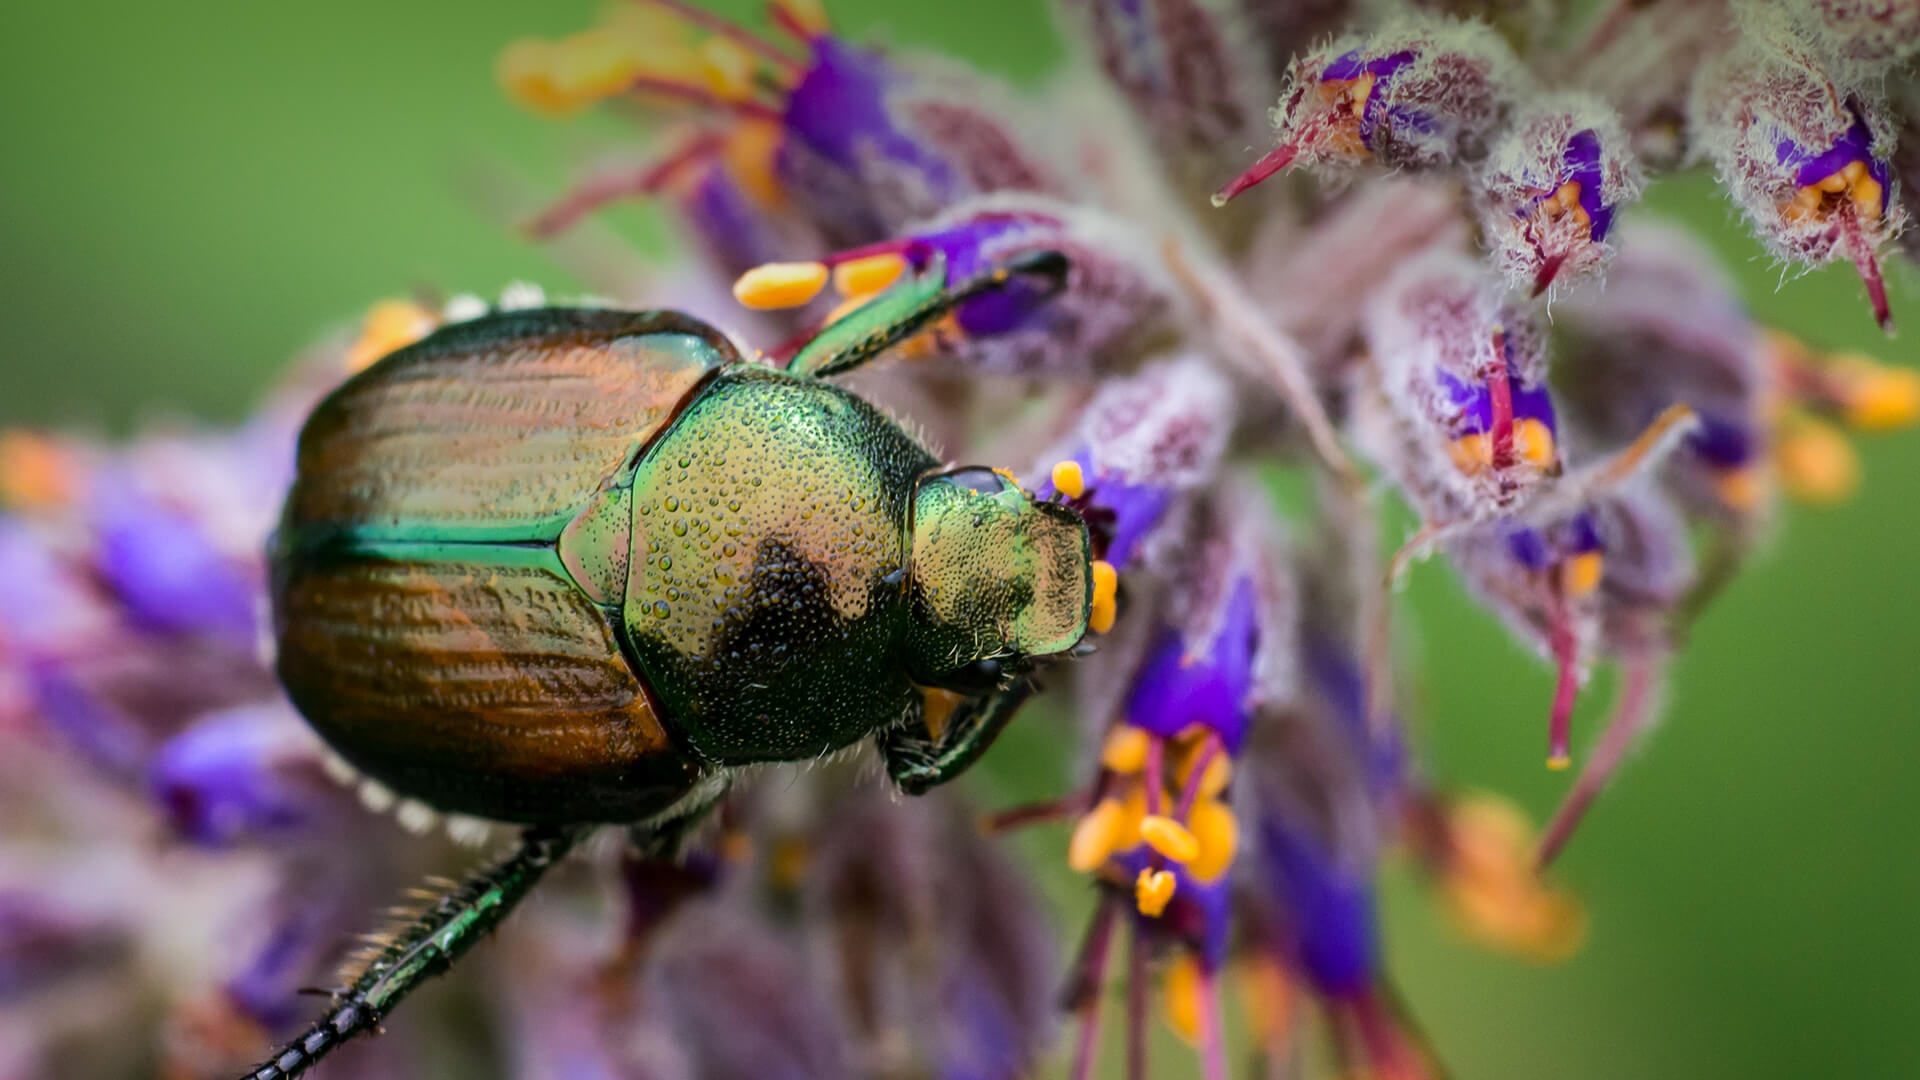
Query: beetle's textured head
{"x": 996, "y": 578}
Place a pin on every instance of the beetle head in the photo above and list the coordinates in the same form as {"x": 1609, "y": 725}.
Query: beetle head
{"x": 996, "y": 578}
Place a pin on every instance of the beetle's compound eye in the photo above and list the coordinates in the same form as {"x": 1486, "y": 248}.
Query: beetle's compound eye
{"x": 979, "y": 677}
{"x": 978, "y": 480}
{"x": 994, "y": 576}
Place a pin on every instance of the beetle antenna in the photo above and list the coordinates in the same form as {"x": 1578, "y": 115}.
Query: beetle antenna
{"x": 427, "y": 946}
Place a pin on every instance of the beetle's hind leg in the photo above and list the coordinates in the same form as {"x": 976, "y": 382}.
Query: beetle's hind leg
{"x": 918, "y": 762}
{"x": 425, "y": 947}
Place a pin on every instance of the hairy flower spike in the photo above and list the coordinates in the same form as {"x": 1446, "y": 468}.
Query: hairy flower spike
{"x": 1422, "y": 93}
{"x": 1550, "y": 188}
{"x": 1804, "y": 151}
{"x": 1245, "y": 770}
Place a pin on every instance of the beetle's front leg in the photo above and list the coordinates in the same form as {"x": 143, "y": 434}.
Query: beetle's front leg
{"x": 918, "y": 762}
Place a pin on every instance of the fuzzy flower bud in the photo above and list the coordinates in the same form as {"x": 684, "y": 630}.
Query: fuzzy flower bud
{"x": 1804, "y": 153}
{"x": 1549, "y": 190}
{"x": 1669, "y": 329}
{"x": 1602, "y": 580}
{"x": 1422, "y": 93}
{"x": 1455, "y": 405}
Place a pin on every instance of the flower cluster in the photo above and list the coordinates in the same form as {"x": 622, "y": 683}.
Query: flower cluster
{"x": 1593, "y": 480}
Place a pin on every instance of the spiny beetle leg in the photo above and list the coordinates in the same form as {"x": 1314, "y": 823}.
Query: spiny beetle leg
{"x": 425, "y": 947}
{"x": 918, "y": 763}
{"x": 911, "y": 305}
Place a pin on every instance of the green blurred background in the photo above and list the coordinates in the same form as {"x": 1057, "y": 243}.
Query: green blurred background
{"x": 194, "y": 191}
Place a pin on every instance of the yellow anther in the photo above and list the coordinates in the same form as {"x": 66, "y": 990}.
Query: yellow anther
{"x": 1876, "y": 397}
{"x": 937, "y": 708}
{"x": 1182, "y": 990}
{"x": 1169, "y": 838}
{"x": 1215, "y": 779}
{"x": 1106, "y": 604}
{"x": 1125, "y": 750}
{"x": 390, "y": 325}
{"x": 591, "y": 66}
{"x": 34, "y": 471}
{"x": 1741, "y": 489}
{"x": 809, "y": 15}
{"x": 1559, "y": 762}
{"x": 1361, "y": 89}
{"x": 1095, "y": 837}
{"x": 787, "y": 866}
{"x": 1217, "y": 832}
{"x": 727, "y": 67}
{"x": 1068, "y": 479}
{"x": 736, "y": 845}
{"x": 749, "y": 153}
{"x": 1834, "y": 183}
{"x": 1867, "y": 194}
{"x": 1816, "y": 464}
{"x": 1497, "y": 896}
{"x": 1533, "y": 442}
{"x": 1267, "y": 998}
{"x": 1472, "y": 453}
{"x": 525, "y": 71}
{"x": 772, "y": 286}
{"x": 1581, "y": 574}
{"x": 1153, "y": 891}
{"x": 866, "y": 276}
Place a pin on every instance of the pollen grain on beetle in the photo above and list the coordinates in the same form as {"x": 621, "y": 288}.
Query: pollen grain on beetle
{"x": 1231, "y": 239}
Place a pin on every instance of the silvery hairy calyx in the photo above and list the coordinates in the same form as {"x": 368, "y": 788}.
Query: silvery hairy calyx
{"x": 1392, "y": 249}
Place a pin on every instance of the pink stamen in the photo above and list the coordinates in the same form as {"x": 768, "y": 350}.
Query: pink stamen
{"x": 1213, "y": 1044}
{"x": 785, "y": 20}
{"x": 1387, "y": 1051}
{"x": 1190, "y": 793}
{"x": 1276, "y": 159}
{"x": 1037, "y": 813}
{"x": 1500, "y": 389}
{"x": 1567, "y": 683}
{"x": 1083, "y": 991}
{"x": 1548, "y": 271}
{"x": 732, "y": 31}
{"x": 1630, "y": 718}
{"x": 1869, "y": 268}
{"x": 1153, "y": 773}
{"x": 597, "y": 192}
{"x": 648, "y": 84}
{"x": 1136, "y": 1002}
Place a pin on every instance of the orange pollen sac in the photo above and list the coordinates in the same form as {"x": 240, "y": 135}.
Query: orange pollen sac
{"x": 1565, "y": 200}
{"x": 1824, "y": 196}
{"x": 390, "y": 325}
{"x": 34, "y": 471}
{"x": 1153, "y": 891}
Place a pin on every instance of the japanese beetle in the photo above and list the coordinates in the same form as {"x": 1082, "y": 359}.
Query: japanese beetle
{"x": 568, "y": 567}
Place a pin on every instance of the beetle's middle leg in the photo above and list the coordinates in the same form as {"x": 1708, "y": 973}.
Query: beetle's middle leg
{"x": 918, "y": 762}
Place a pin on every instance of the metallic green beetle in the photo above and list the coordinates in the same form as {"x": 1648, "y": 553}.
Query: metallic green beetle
{"x": 569, "y": 566}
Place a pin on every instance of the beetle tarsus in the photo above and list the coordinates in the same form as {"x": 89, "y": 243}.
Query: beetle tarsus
{"x": 437, "y": 936}
{"x": 918, "y": 764}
